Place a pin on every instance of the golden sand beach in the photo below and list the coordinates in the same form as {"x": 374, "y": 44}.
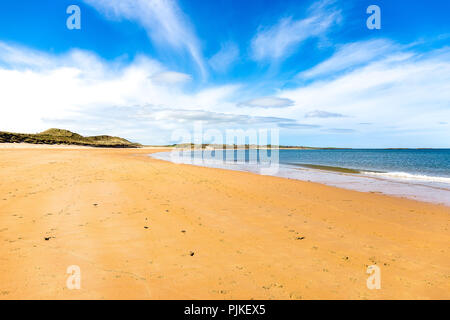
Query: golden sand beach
{"x": 141, "y": 228}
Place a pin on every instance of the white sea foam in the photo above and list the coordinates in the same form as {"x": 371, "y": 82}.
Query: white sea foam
{"x": 408, "y": 176}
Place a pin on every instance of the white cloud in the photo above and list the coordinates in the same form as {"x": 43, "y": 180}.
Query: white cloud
{"x": 163, "y": 20}
{"x": 171, "y": 77}
{"x": 297, "y": 125}
{"x": 141, "y": 100}
{"x": 340, "y": 130}
{"x": 210, "y": 117}
{"x": 323, "y": 114}
{"x": 224, "y": 59}
{"x": 279, "y": 41}
{"x": 38, "y": 86}
{"x": 268, "y": 102}
{"x": 353, "y": 55}
{"x": 398, "y": 96}
{"x": 16, "y": 57}
{"x": 79, "y": 91}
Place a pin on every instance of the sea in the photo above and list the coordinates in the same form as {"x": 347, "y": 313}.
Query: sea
{"x": 420, "y": 174}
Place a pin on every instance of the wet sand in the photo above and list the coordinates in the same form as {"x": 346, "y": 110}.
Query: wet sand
{"x": 141, "y": 228}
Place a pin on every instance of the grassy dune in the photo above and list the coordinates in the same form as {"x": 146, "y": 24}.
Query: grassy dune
{"x": 60, "y": 136}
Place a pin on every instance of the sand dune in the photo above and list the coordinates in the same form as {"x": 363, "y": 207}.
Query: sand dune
{"x": 143, "y": 228}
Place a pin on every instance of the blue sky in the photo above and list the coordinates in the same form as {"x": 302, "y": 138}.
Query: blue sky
{"x": 143, "y": 69}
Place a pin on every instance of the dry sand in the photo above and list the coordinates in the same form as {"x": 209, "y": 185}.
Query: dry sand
{"x": 251, "y": 236}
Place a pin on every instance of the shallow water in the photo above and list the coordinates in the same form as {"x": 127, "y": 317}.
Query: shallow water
{"x": 416, "y": 174}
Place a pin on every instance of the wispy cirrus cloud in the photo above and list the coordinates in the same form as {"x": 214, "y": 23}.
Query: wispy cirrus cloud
{"x": 323, "y": 114}
{"x": 268, "y": 102}
{"x": 296, "y": 125}
{"x": 355, "y": 54}
{"x": 340, "y": 130}
{"x": 406, "y": 91}
{"x": 14, "y": 56}
{"x": 279, "y": 41}
{"x": 163, "y": 20}
{"x": 225, "y": 57}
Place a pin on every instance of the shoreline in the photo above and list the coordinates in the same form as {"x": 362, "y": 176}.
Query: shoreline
{"x": 252, "y": 236}
{"x": 349, "y": 179}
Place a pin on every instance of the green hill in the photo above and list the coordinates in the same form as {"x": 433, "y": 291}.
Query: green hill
{"x": 60, "y": 136}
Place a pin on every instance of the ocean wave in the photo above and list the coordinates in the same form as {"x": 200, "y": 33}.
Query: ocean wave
{"x": 407, "y": 176}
